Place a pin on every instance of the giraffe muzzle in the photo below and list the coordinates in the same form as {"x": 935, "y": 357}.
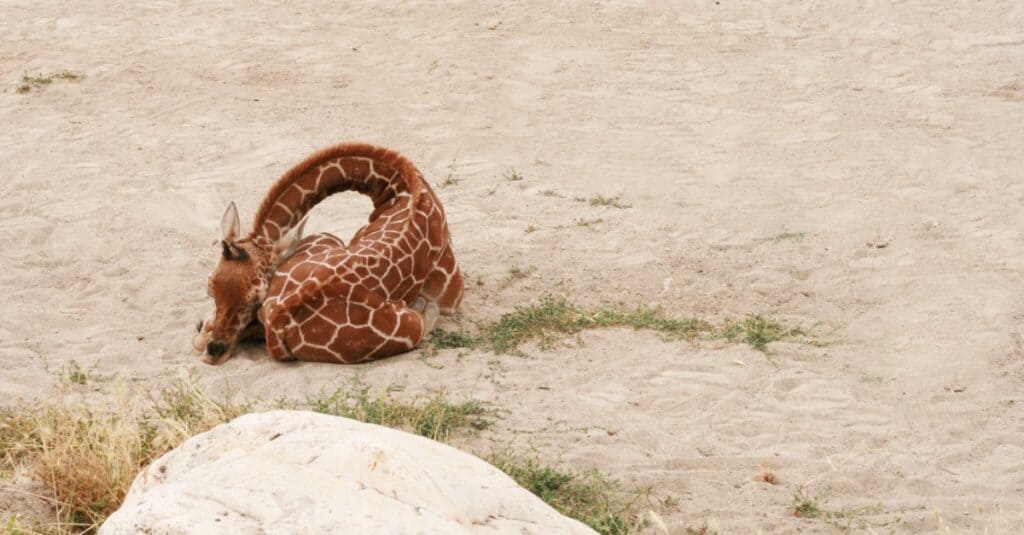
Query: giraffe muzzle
{"x": 216, "y": 348}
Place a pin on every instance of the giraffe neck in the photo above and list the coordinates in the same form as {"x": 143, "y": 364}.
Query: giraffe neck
{"x": 381, "y": 174}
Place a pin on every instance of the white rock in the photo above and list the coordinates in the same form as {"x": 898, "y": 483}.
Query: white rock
{"x": 302, "y": 472}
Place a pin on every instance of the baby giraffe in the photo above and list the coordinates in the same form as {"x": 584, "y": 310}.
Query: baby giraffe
{"x": 316, "y": 299}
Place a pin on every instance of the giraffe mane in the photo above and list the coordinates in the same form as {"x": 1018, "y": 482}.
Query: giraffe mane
{"x": 405, "y": 168}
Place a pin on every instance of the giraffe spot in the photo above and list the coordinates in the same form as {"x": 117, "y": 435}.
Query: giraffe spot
{"x": 318, "y": 330}
{"x": 302, "y": 271}
{"x": 405, "y": 264}
{"x": 331, "y": 178}
{"x": 358, "y": 313}
{"x": 392, "y": 278}
{"x": 384, "y": 319}
{"x": 291, "y": 197}
{"x": 356, "y": 343}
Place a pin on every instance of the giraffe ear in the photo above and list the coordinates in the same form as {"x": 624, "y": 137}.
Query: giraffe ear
{"x": 229, "y": 224}
{"x": 285, "y": 246}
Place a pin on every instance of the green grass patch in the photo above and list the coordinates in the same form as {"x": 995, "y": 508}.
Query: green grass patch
{"x": 556, "y": 317}
{"x": 590, "y": 497}
{"x": 436, "y": 418}
{"x": 757, "y": 331}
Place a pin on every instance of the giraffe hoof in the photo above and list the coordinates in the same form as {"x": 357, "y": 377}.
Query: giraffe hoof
{"x": 431, "y": 313}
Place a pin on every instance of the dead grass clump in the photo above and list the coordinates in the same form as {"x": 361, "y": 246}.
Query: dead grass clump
{"x": 88, "y": 459}
{"x": 38, "y": 81}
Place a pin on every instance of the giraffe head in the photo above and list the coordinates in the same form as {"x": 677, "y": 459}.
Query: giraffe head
{"x": 239, "y": 284}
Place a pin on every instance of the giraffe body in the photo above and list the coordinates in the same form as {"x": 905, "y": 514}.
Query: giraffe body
{"x": 322, "y": 300}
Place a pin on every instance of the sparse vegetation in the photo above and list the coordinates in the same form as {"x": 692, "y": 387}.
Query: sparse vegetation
{"x": 757, "y": 331}
{"x": 587, "y": 223}
{"x": 513, "y": 176}
{"x": 555, "y": 317}
{"x": 436, "y": 418}
{"x": 39, "y": 81}
{"x": 550, "y": 193}
{"x": 516, "y": 273}
{"x": 443, "y": 339}
{"x": 74, "y": 374}
{"x": 450, "y": 180}
{"x": 590, "y": 496}
{"x": 704, "y": 529}
{"x": 806, "y": 505}
{"x": 531, "y": 229}
{"x": 601, "y": 200}
{"x": 782, "y": 236}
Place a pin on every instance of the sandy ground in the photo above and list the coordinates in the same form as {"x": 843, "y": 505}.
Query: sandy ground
{"x": 855, "y": 171}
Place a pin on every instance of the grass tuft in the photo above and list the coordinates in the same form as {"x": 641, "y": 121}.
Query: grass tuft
{"x": 806, "y": 505}
{"x": 435, "y": 419}
{"x": 590, "y": 496}
{"x": 75, "y": 374}
{"x": 442, "y": 339}
{"x": 601, "y": 200}
{"x": 757, "y": 331}
{"x": 513, "y": 176}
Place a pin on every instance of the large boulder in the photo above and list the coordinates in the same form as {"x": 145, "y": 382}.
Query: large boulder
{"x": 303, "y": 472}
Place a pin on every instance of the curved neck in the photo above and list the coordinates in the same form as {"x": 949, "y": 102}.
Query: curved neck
{"x": 379, "y": 173}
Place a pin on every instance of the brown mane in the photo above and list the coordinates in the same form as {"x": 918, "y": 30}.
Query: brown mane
{"x": 408, "y": 172}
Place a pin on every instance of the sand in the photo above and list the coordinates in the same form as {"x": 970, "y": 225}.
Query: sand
{"x": 855, "y": 171}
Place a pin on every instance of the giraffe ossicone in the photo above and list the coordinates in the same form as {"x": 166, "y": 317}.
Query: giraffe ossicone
{"x": 318, "y": 299}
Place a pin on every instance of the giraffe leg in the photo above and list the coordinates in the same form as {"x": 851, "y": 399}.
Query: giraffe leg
{"x": 340, "y": 329}
{"x": 429, "y": 310}
{"x": 444, "y": 286}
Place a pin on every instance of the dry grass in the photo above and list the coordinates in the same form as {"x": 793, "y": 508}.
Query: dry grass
{"x": 88, "y": 459}
{"x": 29, "y": 82}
